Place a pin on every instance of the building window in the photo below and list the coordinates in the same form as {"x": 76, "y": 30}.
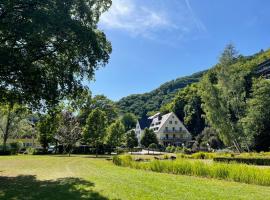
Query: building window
{"x": 173, "y": 135}
{"x": 175, "y": 122}
{"x": 167, "y": 136}
{"x": 180, "y": 129}
{"x": 173, "y": 128}
{"x": 170, "y": 122}
{"x": 166, "y": 128}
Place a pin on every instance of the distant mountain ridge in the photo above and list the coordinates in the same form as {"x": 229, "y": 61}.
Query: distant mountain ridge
{"x": 140, "y": 104}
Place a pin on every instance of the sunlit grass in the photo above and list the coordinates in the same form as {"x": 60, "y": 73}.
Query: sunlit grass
{"x": 84, "y": 177}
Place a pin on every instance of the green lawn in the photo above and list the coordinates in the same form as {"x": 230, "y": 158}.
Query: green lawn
{"x": 82, "y": 177}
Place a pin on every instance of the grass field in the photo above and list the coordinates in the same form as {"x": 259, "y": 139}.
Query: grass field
{"x": 83, "y": 177}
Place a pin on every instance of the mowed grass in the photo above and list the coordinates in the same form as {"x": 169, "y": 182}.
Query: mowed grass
{"x": 84, "y": 177}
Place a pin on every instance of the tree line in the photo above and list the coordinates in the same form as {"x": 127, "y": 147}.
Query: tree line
{"x": 229, "y": 107}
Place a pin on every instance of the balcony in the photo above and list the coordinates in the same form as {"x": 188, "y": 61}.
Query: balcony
{"x": 174, "y": 139}
{"x": 174, "y": 131}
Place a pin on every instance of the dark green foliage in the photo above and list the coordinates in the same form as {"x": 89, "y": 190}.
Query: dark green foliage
{"x": 129, "y": 120}
{"x": 48, "y": 125}
{"x": 102, "y": 103}
{"x": 95, "y": 128}
{"x": 187, "y": 106}
{"x": 251, "y": 161}
{"x": 115, "y": 134}
{"x": 148, "y": 137}
{"x": 257, "y": 120}
{"x": 48, "y": 47}
{"x": 207, "y": 140}
{"x": 153, "y": 146}
{"x": 131, "y": 139}
{"x": 225, "y": 90}
{"x": 13, "y": 118}
{"x": 141, "y": 104}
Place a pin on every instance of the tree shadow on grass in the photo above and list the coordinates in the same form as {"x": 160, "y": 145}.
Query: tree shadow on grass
{"x": 29, "y": 188}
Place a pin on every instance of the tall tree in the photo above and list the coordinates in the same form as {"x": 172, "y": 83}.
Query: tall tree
{"x": 47, "y": 48}
{"x": 47, "y": 126}
{"x": 129, "y": 120}
{"x": 131, "y": 139}
{"x": 12, "y": 118}
{"x": 115, "y": 134}
{"x": 257, "y": 121}
{"x": 69, "y": 131}
{"x": 149, "y": 137}
{"x": 102, "y": 103}
{"x": 224, "y": 92}
{"x": 187, "y": 106}
{"x": 95, "y": 128}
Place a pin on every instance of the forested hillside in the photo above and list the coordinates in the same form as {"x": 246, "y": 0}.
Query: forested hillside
{"x": 140, "y": 104}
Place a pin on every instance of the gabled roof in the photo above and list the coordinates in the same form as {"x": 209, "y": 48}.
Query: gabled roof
{"x": 144, "y": 122}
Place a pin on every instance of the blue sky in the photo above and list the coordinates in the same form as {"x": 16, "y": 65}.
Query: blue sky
{"x": 155, "y": 41}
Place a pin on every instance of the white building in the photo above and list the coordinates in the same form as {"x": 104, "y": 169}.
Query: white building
{"x": 168, "y": 128}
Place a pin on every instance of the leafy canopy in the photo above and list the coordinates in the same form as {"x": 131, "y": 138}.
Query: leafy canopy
{"x": 48, "y": 47}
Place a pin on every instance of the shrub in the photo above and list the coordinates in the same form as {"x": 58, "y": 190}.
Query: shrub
{"x": 252, "y": 161}
{"x": 168, "y": 149}
{"x": 166, "y": 157}
{"x": 15, "y": 147}
{"x": 203, "y": 155}
{"x": 30, "y": 151}
{"x": 178, "y": 150}
{"x": 153, "y": 146}
{"x": 233, "y": 172}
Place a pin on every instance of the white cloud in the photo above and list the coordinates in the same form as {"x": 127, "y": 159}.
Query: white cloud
{"x": 174, "y": 20}
{"x": 201, "y": 27}
{"x": 137, "y": 20}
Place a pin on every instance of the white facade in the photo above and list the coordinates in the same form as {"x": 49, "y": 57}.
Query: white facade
{"x": 168, "y": 128}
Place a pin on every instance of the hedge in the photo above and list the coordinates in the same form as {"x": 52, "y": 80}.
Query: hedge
{"x": 251, "y": 161}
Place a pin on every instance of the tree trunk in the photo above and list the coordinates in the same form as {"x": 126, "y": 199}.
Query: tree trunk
{"x": 236, "y": 145}
{"x": 6, "y": 132}
{"x": 96, "y": 150}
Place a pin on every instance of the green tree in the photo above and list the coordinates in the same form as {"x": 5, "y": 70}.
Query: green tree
{"x": 47, "y": 126}
{"x": 187, "y": 106}
{"x": 224, "y": 91}
{"x": 115, "y": 134}
{"x": 101, "y": 102}
{"x": 257, "y": 121}
{"x": 131, "y": 139}
{"x": 12, "y": 119}
{"x": 47, "y": 48}
{"x": 95, "y": 128}
{"x": 148, "y": 138}
{"x": 129, "y": 120}
{"x": 207, "y": 139}
{"x": 229, "y": 55}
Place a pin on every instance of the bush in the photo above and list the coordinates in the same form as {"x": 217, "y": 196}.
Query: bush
{"x": 251, "y": 161}
{"x": 168, "y": 149}
{"x": 203, "y": 155}
{"x": 123, "y": 160}
{"x": 15, "y": 147}
{"x": 178, "y": 149}
{"x": 30, "y": 151}
{"x": 153, "y": 146}
{"x": 166, "y": 157}
{"x": 233, "y": 172}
